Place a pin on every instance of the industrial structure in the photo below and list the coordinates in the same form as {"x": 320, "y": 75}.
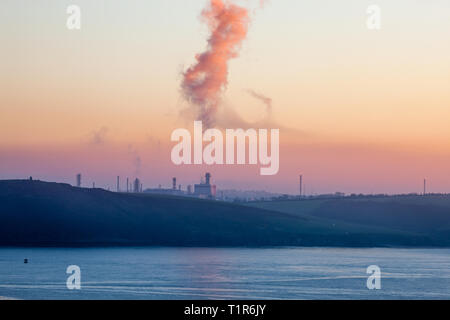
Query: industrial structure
{"x": 205, "y": 189}
{"x": 172, "y": 191}
{"x": 301, "y": 185}
{"x": 79, "y": 180}
{"x": 137, "y": 187}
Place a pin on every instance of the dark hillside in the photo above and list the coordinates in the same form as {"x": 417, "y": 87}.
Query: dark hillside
{"x": 428, "y": 214}
{"x": 51, "y": 214}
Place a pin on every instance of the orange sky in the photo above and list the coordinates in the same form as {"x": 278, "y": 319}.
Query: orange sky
{"x": 358, "y": 111}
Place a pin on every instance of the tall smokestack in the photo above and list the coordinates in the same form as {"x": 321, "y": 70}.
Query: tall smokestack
{"x": 174, "y": 183}
{"x": 208, "y": 178}
{"x": 137, "y": 185}
{"x": 79, "y": 180}
{"x": 424, "y": 186}
{"x": 128, "y": 188}
{"x": 301, "y": 185}
{"x": 118, "y": 184}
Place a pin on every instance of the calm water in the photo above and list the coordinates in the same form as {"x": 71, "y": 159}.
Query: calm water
{"x": 180, "y": 273}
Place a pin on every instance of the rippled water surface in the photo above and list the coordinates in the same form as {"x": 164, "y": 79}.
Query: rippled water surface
{"x": 234, "y": 273}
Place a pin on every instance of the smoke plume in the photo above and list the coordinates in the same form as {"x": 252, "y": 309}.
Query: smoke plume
{"x": 135, "y": 158}
{"x": 266, "y": 100}
{"x": 98, "y": 137}
{"x": 204, "y": 81}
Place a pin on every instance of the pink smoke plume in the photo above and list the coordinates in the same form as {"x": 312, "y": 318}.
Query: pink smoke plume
{"x": 204, "y": 81}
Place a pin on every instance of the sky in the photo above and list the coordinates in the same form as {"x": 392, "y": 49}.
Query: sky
{"x": 359, "y": 111}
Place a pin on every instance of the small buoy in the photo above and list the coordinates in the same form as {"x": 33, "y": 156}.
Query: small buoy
{"x": 25, "y": 260}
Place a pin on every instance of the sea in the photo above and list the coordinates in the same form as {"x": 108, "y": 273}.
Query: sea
{"x": 159, "y": 273}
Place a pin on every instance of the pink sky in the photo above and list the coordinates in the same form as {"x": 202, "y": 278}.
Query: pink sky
{"x": 358, "y": 111}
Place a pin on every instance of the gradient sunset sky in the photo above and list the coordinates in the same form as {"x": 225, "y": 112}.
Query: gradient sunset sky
{"x": 360, "y": 111}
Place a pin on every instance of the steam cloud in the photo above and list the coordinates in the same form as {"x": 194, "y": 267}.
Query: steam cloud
{"x": 204, "y": 81}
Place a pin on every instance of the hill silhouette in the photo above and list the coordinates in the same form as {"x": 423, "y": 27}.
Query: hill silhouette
{"x": 35, "y": 213}
{"x": 427, "y": 215}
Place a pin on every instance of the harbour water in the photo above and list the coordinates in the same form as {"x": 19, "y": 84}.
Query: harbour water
{"x": 224, "y": 273}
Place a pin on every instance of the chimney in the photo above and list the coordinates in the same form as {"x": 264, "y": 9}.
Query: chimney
{"x": 174, "y": 183}
{"x": 208, "y": 178}
{"x": 137, "y": 186}
{"x": 301, "y": 185}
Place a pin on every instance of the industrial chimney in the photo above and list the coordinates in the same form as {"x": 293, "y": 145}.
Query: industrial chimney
{"x": 137, "y": 186}
{"x": 174, "y": 183}
{"x": 208, "y": 178}
{"x": 79, "y": 180}
{"x": 301, "y": 185}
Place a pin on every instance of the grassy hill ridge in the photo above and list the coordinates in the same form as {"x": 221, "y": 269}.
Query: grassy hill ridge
{"x": 36, "y": 213}
{"x": 428, "y": 214}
